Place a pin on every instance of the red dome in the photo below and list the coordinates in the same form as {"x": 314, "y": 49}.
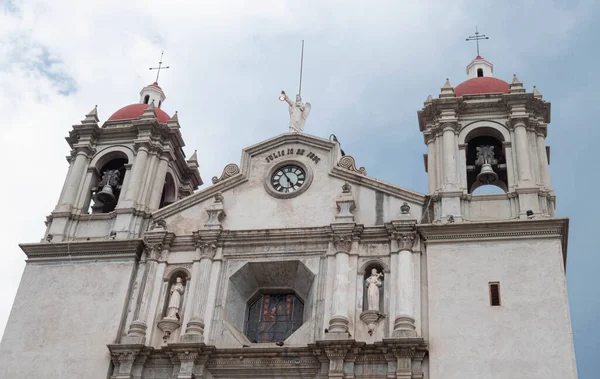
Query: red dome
{"x": 484, "y": 84}
{"x": 136, "y": 111}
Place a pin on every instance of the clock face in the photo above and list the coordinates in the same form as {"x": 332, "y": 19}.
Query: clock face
{"x": 288, "y": 178}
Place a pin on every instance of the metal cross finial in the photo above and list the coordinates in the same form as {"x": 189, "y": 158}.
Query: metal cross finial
{"x": 160, "y": 67}
{"x": 476, "y": 38}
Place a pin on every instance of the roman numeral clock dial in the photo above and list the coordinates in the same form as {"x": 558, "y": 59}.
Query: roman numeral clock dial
{"x": 288, "y": 179}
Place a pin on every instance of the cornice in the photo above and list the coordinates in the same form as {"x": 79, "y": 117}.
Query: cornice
{"x": 85, "y": 250}
{"x": 497, "y": 230}
{"x": 469, "y": 106}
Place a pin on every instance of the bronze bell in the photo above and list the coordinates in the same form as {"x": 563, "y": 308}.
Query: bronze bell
{"x": 487, "y": 174}
{"x": 106, "y": 196}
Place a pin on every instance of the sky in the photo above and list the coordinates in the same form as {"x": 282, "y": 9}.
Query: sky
{"x": 368, "y": 68}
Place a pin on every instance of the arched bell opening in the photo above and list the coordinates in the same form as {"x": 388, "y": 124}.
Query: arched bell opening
{"x": 146, "y": 99}
{"x": 169, "y": 193}
{"x": 486, "y": 159}
{"x": 109, "y": 179}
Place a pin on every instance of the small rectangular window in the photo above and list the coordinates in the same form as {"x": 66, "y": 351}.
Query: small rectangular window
{"x": 495, "y": 294}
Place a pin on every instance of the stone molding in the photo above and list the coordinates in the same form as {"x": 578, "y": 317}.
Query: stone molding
{"x": 484, "y": 104}
{"x": 498, "y": 230}
{"x": 85, "y": 250}
{"x": 320, "y": 359}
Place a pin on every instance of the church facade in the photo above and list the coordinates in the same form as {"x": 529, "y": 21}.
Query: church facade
{"x": 295, "y": 263}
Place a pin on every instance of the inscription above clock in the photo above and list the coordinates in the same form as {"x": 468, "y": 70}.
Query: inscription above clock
{"x": 288, "y": 178}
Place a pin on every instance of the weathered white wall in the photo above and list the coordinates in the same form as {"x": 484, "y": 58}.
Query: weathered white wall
{"x": 63, "y": 317}
{"x": 528, "y": 337}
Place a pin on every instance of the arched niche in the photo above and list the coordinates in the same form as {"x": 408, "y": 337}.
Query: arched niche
{"x": 170, "y": 280}
{"x": 365, "y": 272}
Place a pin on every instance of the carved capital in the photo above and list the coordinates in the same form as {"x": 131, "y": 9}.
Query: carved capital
{"x": 153, "y": 250}
{"x": 342, "y": 243}
{"x": 406, "y": 240}
{"x": 208, "y": 249}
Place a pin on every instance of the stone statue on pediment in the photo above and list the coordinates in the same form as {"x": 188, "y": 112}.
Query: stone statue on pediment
{"x": 299, "y": 112}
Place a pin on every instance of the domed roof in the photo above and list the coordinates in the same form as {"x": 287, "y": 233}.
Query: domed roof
{"x": 135, "y": 111}
{"x": 484, "y": 84}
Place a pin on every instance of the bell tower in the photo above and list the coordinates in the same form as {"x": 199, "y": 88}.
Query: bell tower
{"x": 122, "y": 171}
{"x": 486, "y": 153}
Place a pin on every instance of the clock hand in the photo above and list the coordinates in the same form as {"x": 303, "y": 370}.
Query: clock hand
{"x": 288, "y": 179}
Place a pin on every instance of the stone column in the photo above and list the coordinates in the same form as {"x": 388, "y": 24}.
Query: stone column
{"x": 137, "y": 173}
{"x": 404, "y": 314}
{"x": 338, "y": 323}
{"x": 138, "y": 327}
{"x": 449, "y": 158}
{"x": 543, "y": 159}
{"x": 510, "y": 165}
{"x": 201, "y": 271}
{"x": 159, "y": 183}
{"x": 148, "y": 179}
{"x": 462, "y": 166}
{"x": 522, "y": 149}
{"x": 73, "y": 181}
{"x": 431, "y": 166}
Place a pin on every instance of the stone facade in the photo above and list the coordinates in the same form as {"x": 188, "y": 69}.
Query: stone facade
{"x": 263, "y": 274}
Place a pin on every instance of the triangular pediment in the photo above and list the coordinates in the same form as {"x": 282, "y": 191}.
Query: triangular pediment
{"x": 260, "y": 194}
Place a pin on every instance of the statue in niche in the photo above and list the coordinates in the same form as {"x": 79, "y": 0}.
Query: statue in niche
{"x": 298, "y": 112}
{"x": 373, "y": 283}
{"x": 175, "y": 299}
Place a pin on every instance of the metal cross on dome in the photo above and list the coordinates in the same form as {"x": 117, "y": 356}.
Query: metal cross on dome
{"x": 160, "y": 67}
{"x": 477, "y": 37}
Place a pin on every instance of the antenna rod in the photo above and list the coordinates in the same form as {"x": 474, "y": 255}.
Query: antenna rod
{"x": 301, "y": 63}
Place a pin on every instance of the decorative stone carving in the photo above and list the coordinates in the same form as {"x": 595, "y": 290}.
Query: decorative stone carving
{"x": 153, "y": 250}
{"x": 371, "y": 318}
{"x": 299, "y": 112}
{"x": 342, "y": 243}
{"x": 216, "y": 213}
{"x": 229, "y": 171}
{"x": 406, "y": 240}
{"x": 405, "y": 208}
{"x": 209, "y": 249}
{"x": 349, "y": 163}
{"x": 159, "y": 224}
{"x": 485, "y": 154}
{"x": 345, "y": 204}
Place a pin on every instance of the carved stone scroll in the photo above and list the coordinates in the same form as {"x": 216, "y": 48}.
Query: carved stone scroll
{"x": 349, "y": 163}
{"x": 229, "y": 171}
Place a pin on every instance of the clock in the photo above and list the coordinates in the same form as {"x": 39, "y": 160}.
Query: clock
{"x": 288, "y": 178}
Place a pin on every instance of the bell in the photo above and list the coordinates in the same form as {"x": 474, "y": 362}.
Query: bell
{"x": 487, "y": 174}
{"x": 106, "y": 196}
